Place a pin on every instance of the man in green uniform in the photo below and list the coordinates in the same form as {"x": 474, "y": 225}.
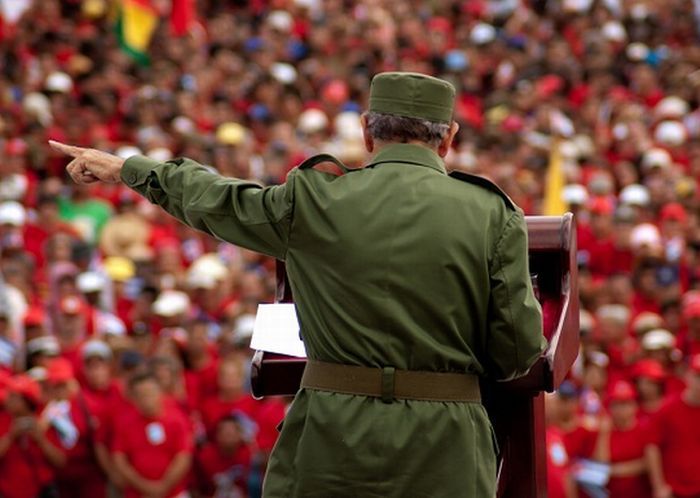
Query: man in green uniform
{"x": 409, "y": 285}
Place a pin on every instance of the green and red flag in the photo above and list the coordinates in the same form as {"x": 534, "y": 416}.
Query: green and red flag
{"x": 137, "y": 21}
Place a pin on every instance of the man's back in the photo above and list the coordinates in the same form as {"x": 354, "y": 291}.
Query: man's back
{"x": 392, "y": 266}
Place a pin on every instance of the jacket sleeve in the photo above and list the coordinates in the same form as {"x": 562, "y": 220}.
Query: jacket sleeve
{"x": 237, "y": 211}
{"x": 514, "y": 339}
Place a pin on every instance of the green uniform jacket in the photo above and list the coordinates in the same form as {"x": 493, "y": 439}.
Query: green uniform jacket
{"x": 392, "y": 265}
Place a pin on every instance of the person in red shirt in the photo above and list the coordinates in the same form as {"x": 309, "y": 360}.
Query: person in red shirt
{"x": 675, "y": 450}
{"x": 152, "y": 446}
{"x": 230, "y": 396}
{"x": 622, "y": 442}
{"x": 649, "y": 380}
{"x": 68, "y": 413}
{"x": 560, "y": 482}
{"x": 103, "y": 400}
{"x": 29, "y": 452}
{"x": 222, "y": 466}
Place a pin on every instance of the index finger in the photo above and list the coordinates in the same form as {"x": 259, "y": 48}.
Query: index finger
{"x": 70, "y": 150}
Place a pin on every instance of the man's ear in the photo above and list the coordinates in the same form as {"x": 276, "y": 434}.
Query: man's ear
{"x": 446, "y": 143}
{"x": 369, "y": 141}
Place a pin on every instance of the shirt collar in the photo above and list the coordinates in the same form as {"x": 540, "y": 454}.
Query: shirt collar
{"x": 411, "y": 154}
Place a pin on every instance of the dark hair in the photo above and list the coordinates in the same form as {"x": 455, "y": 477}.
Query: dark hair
{"x": 140, "y": 377}
{"x": 392, "y": 128}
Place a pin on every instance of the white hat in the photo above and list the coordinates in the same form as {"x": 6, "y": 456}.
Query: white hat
{"x": 280, "y": 20}
{"x": 46, "y": 344}
{"x": 637, "y": 51}
{"x": 585, "y": 320}
{"x": 569, "y": 149}
{"x": 183, "y": 125}
{"x": 656, "y": 157}
{"x": 616, "y": 312}
{"x": 38, "y": 104}
{"x": 171, "y": 303}
{"x": 658, "y": 339}
{"x": 670, "y": 133}
{"x": 585, "y": 145}
{"x": 160, "y": 154}
{"x": 671, "y": 108}
{"x": 614, "y": 31}
{"x": 96, "y": 348}
{"x": 575, "y": 194}
{"x": 126, "y": 151}
{"x": 347, "y": 125}
{"x": 59, "y": 82}
{"x": 312, "y": 121}
{"x": 39, "y": 374}
{"x": 111, "y": 325}
{"x": 283, "y": 72}
{"x": 645, "y": 234}
{"x": 12, "y": 213}
{"x": 635, "y": 195}
{"x": 482, "y": 33}
{"x": 207, "y": 267}
{"x": 577, "y": 6}
{"x": 90, "y": 281}
{"x": 243, "y": 330}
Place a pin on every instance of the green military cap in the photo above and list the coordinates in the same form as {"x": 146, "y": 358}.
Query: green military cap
{"x": 412, "y": 95}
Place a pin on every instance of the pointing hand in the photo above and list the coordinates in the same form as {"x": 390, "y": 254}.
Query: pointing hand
{"x": 90, "y": 165}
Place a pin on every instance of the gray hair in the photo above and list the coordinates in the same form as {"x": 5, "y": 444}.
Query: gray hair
{"x": 392, "y": 128}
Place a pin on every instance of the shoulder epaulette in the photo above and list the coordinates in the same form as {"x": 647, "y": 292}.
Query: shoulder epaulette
{"x": 484, "y": 183}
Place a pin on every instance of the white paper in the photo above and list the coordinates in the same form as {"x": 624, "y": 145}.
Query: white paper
{"x": 276, "y": 330}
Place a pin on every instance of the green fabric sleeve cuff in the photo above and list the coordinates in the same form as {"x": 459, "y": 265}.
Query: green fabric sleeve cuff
{"x": 136, "y": 170}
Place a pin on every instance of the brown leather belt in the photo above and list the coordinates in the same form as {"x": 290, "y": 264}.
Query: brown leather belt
{"x": 388, "y": 383}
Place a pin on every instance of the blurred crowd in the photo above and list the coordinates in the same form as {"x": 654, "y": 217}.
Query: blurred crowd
{"x": 124, "y": 335}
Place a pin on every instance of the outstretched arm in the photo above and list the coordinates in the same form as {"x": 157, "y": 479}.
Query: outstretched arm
{"x": 237, "y": 211}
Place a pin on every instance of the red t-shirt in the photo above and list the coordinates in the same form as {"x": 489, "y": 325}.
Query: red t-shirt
{"x": 558, "y": 463}
{"x": 216, "y": 471}
{"x": 676, "y": 431}
{"x": 214, "y": 408}
{"x": 24, "y": 469}
{"x": 625, "y": 446}
{"x": 150, "y": 444}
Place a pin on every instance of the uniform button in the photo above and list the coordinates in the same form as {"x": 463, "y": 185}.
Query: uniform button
{"x": 132, "y": 178}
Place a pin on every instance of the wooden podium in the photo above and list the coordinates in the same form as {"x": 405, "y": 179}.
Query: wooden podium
{"x": 516, "y": 408}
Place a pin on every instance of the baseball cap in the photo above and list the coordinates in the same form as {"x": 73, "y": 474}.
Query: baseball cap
{"x": 575, "y": 194}
{"x": 674, "y": 211}
{"x": 650, "y": 369}
{"x": 59, "y": 370}
{"x": 658, "y": 339}
{"x": 47, "y": 345}
{"x": 34, "y": 317}
{"x": 622, "y": 390}
{"x": 171, "y": 303}
{"x": 635, "y": 195}
{"x": 412, "y": 95}
{"x": 601, "y": 206}
{"x": 656, "y": 158}
{"x": 646, "y": 321}
{"x": 12, "y": 213}
{"x": 90, "y": 281}
{"x": 95, "y": 348}
{"x": 119, "y": 269}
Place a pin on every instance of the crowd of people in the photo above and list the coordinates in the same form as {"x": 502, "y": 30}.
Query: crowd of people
{"x": 124, "y": 335}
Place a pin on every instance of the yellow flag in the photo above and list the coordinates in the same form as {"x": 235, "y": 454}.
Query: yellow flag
{"x": 554, "y": 183}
